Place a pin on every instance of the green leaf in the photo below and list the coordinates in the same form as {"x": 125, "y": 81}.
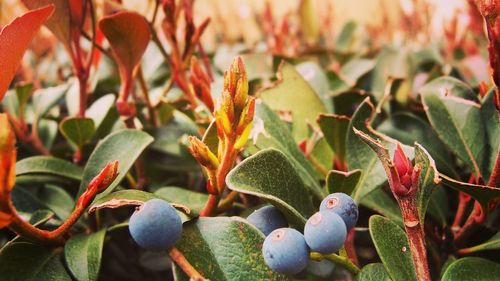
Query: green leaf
{"x": 384, "y": 204}
{"x": 78, "y": 131}
{"x": 492, "y": 126}
{"x": 45, "y": 99}
{"x": 354, "y": 69}
{"x": 30, "y": 262}
{"x": 346, "y": 38}
{"x": 457, "y": 121}
{"x": 291, "y": 90}
{"x": 83, "y": 254}
{"x": 269, "y": 131}
{"x": 125, "y": 146}
{"x": 429, "y": 178}
{"x": 392, "y": 247}
{"x": 314, "y": 75}
{"x": 224, "y": 248}
{"x": 373, "y": 272}
{"x": 194, "y": 200}
{"x": 334, "y": 128}
{"x": 48, "y": 165}
{"x": 40, "y": 217}
{"x": 321, "y": 154}
{"x": 360, "y": 156}
{"x": 492, "y": 244}
{"x": 309, "y": 20}
{"x": 391, "y": 62}
{"x": 23, "y": 93}
{"x": 408, "y": 129}
{"x": 439, "y": 205}
{"x": 269, "y": 175}
{"x": 104, "y": 114}
{"x": 472, "y": 269}
{"x": 483, "y": 194}
{"x": 345, "y": 182}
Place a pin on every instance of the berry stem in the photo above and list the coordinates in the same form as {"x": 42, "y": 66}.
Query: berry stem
{"x": 343, "y": 261}
{"x": 210, "y": 206}
{"x": 349, "y": 247}
{"x": 184, "y": 264}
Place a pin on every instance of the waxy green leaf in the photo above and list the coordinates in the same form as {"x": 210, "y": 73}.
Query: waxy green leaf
{"x": 48, "y": 166}
{"x": 345, "y": 182}
{"x": 334, "y": 128}
{"x": 373, "y": 272}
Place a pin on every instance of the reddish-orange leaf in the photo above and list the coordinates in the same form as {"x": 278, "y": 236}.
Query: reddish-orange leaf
{"x": 7, "y": 155}
{"x": 128, "y": 34}
{"x": 59, "y": 22}
{"x": 14, "y": 40}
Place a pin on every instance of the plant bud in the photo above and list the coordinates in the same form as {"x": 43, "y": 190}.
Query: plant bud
{"x": 202, "y": 154}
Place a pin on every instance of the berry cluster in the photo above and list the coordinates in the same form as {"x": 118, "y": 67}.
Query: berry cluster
{"x": 156, "y": 225}
{"x": 286, "y": 250}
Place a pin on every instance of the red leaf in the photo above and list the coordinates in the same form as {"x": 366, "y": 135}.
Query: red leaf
{"x": 14, "y": 40}
{"x": 128, "y": 34}
{"x": 59, "y": 22}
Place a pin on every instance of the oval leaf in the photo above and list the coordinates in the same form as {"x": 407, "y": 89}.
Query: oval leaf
{"x": 30, "y": 262}
{"x": 128, "y": 34}
{"x": 472, "y": 269}
{"x": 373, "y": 272}
{"x": 15, "y": 39}
{"x": 47, "y": 165}
{"x": 78, "y": 131}
{"x": 225, "y": 248}
{"x": 392, "y": 247}
{"x": 83, "y": 255}
{"x": 269, "y": 175}
{"x": 124, "y": 146}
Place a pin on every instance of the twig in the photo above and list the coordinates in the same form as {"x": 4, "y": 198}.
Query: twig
{"x": 344, "y": 262}
{"x": 184, "y": 264}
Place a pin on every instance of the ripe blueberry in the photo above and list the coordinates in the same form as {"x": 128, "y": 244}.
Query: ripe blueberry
{"x": 155, "y": 226}
{"x": 325, "y": 232}
{"x": 343, "y": 205}
{"x": 267, "y": 219}
{"x": 286, "y": 251}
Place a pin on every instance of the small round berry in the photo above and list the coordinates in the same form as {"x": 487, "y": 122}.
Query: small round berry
{"x": 325, "y": 232}
{"x": 267, "y": 219}
{"x": 155, "y": 225}
{"x": 343, "y": 205}
{"x": 286, "y": 251}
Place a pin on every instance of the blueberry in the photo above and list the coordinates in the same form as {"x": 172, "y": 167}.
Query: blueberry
{"x": 155, "y": 226}
{"x": 286, "y": 251}
{"x": 343, "y": 205}
{"x": 267, "y": 219}
{"x": 325, "y": 232}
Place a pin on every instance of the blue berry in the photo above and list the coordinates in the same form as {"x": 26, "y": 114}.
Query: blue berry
{"x": 325, "y": 232}
{"x": 267, "y": 219}
{"x": 343, "y": 205}
{"x": 155, "y": 226}
{"x": 286, "y": 251}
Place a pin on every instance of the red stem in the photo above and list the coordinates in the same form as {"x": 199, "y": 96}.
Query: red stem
{"x": 211, "y": 206}
{"x": 349, "y": 247}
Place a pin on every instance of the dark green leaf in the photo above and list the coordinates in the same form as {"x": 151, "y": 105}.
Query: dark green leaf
{"x": 354, "y": 69}
{"x": 47, "y": 165}
{"x": 291, "y": 90}
{"x": 384, "y": 204}
{"x": 472, "y": 269}
{"x": 194, "y": 200}
{"x": 483, "y": 194}
{"x": 30, "y": 262}
{"x": 269, "y": 175}
{"x": 338, "y": 181}
{"x": 373, "y": 272}
{"x": 269, "y": 131}
{"x": 334, "y": 128}
{"x": 314, "y": 75}
{"x": 457, "y": 121}
{"x": 360, "y": 156}
{"x": 125, "y": 146}
{"x": 83, "y": 255}
{"x": 429, "y": 178}
{"x": 78, "y": 131}
{"x": 23, "y": 93}
{"x": 492, "y": 126}
{"x": 392, "y": 247}
{"x": 492, "y": 244}
{"x": 45, "y": 99}
{"x": 225, "y": 248}
{"x": 391, "y": 62}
